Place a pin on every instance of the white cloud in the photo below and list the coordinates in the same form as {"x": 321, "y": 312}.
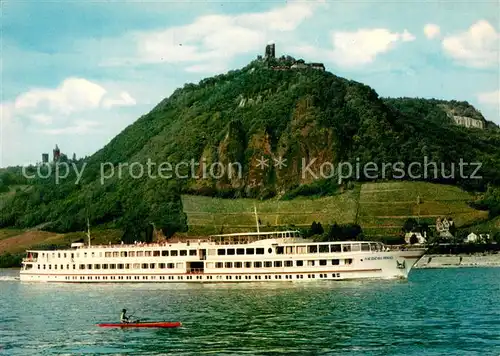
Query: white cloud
{"x": 431, "y": 30}
{"x": 74, "y": 94}
{"x": 357, "y": 48}
{"x": 477, "y": 47}
{"x": 489, "y": 98}
{"x": 213, "y": 40}
{"x": 48, "y": 106}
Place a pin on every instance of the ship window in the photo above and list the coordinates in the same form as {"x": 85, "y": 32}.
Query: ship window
{"x": 38, "y": 266}
{"x": 64, "y": 255}
{"x": 170, "y": 265}
{"x": 123, "y": 254}
{"x": 248, "y": 264}
{"x": 348, "y": 261}
{"x": 107, "y": 254}
{"x": 97, "y": 266}
{"x": 58, "y": 255}
{"x": 310, "y": 263}
{"x": 131, "y": 254}
{"x": 85, "y": 254}
{"x": 104, "y": 266}
{"x": 136, "y": 266}
{"x": 257, "y": 264}
{"x": 335, "y": 248}
{"x": 100, "y": 254}
{"x": 127, "y": 265}
{"x": 55, "y": 266}
{"x": 221, "y": 252}
{"x": 93, "y": 254}
{"x": 140, "y": 253}
{"x": 322, "y": 262}
{"x": 174, "y": 253}
{"x": 312, "y": 248}
{"x": 268, "y": 264}
{"x": 120, "y": 266}
{"x": 183, "y": 252}
{"x": 80, "y": 267}
{"x": 301, "y": 250}
{"x": 156, "y": 253}
{"x": 250, "y": 251}
{"x": 192, "y": 252}
{"x": 289, "y": 250}
{"x": 240, "y": 251}
{"x": 280, "y": 250}
{"x": 324, "y": 248}
{"x": 219, "y": 265}
{"x": 299, "y": 263}
{"x": 44, "y": 267}
{"x": 288, "y": 263}
{"x": 373, "y": 247}
{"x": 164, "y": 253}
{"x": 145, "y": 266}
{"x": 335, "y": 262}
{"x": 365, "y": 247}
{"x": 152, "y": 265}
{"x": 229, "y": 265}
{"x": 89, "y": 266}
{"x": 230, "y": 251}
{"x": 238, "y": 265}
{"x": 278, "y": 263}
{"x": 259, "y": 251}
{"x": 355, "y": 247}
{"x": 112, "y": 266}
{"x": 147, "y": 253}
{"x": 346, "y": 248}
{"x": 179, "y": 265}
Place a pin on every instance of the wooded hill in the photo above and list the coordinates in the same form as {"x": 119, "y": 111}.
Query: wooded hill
{"x": 245, "y": 115}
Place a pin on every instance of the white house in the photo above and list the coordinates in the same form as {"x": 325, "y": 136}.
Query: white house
{"x": 472, "y": 237}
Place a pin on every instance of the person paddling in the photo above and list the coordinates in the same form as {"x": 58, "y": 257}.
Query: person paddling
{"x": 123, "y": 317}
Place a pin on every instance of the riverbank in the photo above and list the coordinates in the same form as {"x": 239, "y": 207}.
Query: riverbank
{"x": 461, "y": 260}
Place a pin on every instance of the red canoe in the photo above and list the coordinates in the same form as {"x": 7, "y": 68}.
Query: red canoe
{"x": 151, "y": 324}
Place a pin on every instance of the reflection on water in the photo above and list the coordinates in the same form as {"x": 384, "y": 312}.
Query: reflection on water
{"x": 436, "y": 312}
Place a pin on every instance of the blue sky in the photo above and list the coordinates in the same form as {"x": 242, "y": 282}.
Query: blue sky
{"x": 76, "y": 73}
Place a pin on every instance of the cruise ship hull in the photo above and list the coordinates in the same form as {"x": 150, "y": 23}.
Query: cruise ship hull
{"x": 202, "y": 268}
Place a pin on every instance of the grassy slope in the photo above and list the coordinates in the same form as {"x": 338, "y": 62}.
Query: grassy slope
{"x": 385, "y": 206}
{"x": 380, "y": 208}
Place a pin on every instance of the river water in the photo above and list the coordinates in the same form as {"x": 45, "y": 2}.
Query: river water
{"x": 435, "y": 312}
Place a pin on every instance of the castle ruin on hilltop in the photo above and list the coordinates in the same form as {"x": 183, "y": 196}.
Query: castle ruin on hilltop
{"x": 283, "y": 63}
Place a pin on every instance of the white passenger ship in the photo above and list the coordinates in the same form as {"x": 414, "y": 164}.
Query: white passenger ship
{"x": 245, "y": 257}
